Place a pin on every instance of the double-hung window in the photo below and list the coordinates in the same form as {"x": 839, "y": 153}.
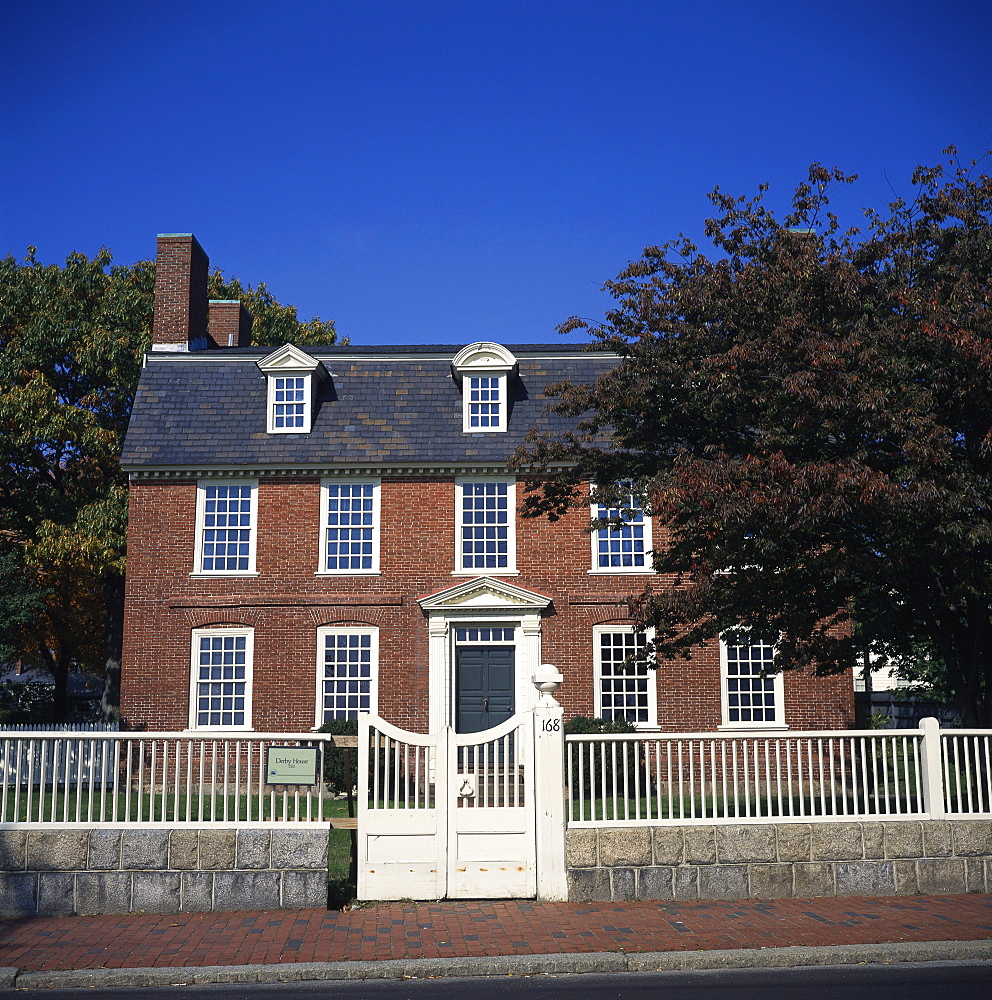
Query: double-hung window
{"x": 292, "y": 377}
{"x": 347, "y": 672}
{"x": 484, "y": 371}
{"x": 485, "y": 404}
{"x": 225, "y": 527}
{"x": 220, "y": 697}
{"x": 625, "y": 685}
{"x": 752, "y": 691}
{"x": 349, "y": 527}
{"x": 626, "y": 547}
{"x": 486, "y": 527}
{"x": 289, "y": 402}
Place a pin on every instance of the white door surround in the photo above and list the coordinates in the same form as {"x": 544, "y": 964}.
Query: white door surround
{"x": 487, "y": 602}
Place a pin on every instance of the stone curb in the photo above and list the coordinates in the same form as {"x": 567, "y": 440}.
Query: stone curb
{"x": 509, "y": 965}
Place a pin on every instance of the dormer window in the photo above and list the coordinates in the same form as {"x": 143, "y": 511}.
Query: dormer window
{"x": 292, "y": 377}
{"x": 484, "y": 371}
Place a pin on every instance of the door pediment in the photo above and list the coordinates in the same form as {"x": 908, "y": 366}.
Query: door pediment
{"x": 484, "y": 593}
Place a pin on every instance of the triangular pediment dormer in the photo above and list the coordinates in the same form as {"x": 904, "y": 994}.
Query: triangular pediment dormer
{"x": 484, "y": 593}
{"x": 292, "y": 377}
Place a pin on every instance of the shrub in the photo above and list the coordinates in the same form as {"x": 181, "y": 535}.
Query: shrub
{"x": 334, "y": 773}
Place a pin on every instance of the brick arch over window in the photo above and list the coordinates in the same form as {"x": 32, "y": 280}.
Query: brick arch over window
{"x": 236, "y": 616}
{"x": 603, "y": 615}
{"x": 373, "y": 618}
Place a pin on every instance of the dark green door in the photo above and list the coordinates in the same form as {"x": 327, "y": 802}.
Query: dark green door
{"x": 483, "y": 687}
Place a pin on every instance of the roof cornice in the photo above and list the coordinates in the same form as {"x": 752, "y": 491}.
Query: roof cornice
{"x": 325, "y": 469}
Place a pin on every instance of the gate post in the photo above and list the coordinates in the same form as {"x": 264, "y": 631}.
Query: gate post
{"x": 931, "y": 759}
{"x": 549, "y": 787}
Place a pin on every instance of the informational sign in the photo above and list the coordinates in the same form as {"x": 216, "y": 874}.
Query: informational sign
{"x": 291, "y": 765}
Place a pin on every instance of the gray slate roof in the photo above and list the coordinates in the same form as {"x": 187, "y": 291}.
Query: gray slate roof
{"x": 381, "y": 406}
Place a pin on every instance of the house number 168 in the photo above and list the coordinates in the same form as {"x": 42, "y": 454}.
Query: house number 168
{"x": 550, "y": 725}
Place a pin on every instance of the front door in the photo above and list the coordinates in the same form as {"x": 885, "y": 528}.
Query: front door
{"x": 484, "y": 687}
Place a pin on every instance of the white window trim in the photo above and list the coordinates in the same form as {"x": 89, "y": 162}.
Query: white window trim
{"x": 289, "y": 361}
{"x": 200, "y": 527}
{"x": 484, "y": 360}
{"x": 511, "y": 528}
{"x": 652, "y": 674}
{"x": 327, "y": 630}
{"x": 270, "y": 410}
{"x": 503, "y": 381}
{"x": 376, "y": 485}
{"x": 596, "y": 570}
{"x": 779, "y": 692}
{"x": 197, "y": 634}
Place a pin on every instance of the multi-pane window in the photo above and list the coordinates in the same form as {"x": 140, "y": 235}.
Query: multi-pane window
{"x": 350, "y": 525}
{"x": 346, "y": 673}
{"x": 227, "y": 527}
{"x": 625, "y": 686}
{"x": 291, "y": 377}
{"x": 752, "y": 691}
{"x": 479, "y": 634}
{"x": 624, "y": 548}
{"x": 288, "y": 402}
{"x": 485, "y": 525}
{"x": 484, "y": 403}
{"x": 221, "y": 693}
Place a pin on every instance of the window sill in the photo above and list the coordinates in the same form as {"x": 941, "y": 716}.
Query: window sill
{"x": 222, "y": 575}
{"x": 485, "y": 572}
{"x": 621, "y": 572}
{"x": 738, "y": 727}
{"x": 207, "y": 732}
{"x": 348, "y": 572}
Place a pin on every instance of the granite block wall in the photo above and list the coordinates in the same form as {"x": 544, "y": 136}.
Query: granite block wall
{"x": 784, "y": 860}
{"x": 68, "y": 872}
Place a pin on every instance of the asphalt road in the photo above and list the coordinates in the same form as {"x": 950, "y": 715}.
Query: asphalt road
{"x": 907, "y": 981}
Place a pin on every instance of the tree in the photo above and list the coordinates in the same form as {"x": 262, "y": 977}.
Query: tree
{"x": 273, "y": 324}
{"x": 808, "y": 416}
{"x": 71, "y": 346}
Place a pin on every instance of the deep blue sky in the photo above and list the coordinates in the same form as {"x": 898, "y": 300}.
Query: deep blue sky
{"x": 430, "y": 171}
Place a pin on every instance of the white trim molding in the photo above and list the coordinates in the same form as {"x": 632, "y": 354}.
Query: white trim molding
{"x": 291, "y": 377}
{"x": 749, "y": 691}
{"x": 490, "y": 530}
{"x": 217, "y": 681}
{"x": 484, "y": 371}
{"x": 625, "y": 550}
{"x": 355, "y": 522}
{"x": 488, "y": 603}
{"x": 225, "y": 532}
{"x": 356, "y": 672}
{"x": 633, "y": 689}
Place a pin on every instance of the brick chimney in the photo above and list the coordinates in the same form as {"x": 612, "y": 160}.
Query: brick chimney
{"x": 229, "y": 324}
{"x": 180, "y": 321}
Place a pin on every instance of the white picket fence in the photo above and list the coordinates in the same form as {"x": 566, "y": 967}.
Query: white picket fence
{"x": 91, "y": 778}
{"x": 659, "y": 779}
{"x": 74, "y": 778}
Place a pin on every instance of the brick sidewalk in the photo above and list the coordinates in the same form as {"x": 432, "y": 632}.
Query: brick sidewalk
{"x": 457, "y": 929}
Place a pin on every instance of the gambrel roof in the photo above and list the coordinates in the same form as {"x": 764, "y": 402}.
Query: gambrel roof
{"x": 381, "y": 406}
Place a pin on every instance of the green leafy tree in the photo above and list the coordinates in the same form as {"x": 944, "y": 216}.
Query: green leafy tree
{"x": 273, "y": 324}
{"x": 807, "y": 414}
{"x": 71, "y": 344}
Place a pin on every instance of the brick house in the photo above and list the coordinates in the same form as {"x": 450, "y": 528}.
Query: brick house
{"x": 318, "y": 532}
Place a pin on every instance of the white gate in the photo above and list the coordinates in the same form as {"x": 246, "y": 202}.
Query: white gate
{"x": 447, "y": 815}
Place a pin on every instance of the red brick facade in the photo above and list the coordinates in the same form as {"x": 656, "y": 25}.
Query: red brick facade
{"x": 208, "y": 410}
{"x": 286, "y": 603}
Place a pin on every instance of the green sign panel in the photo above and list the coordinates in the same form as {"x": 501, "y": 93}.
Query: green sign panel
{"x": 291, "y": 765}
